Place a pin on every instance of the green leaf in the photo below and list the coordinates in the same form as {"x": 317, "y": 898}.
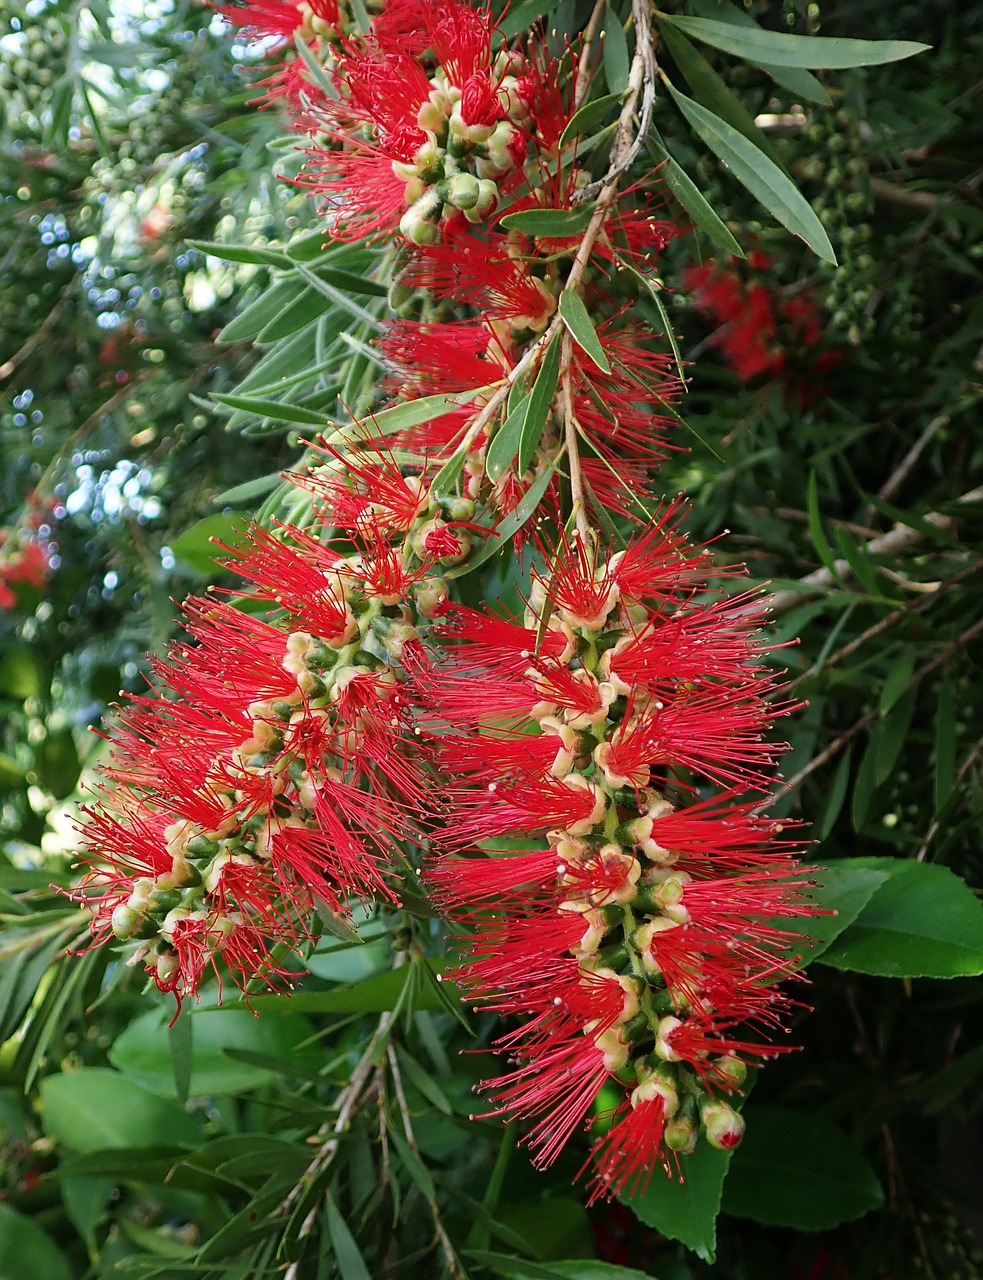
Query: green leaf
{"x": 411, "y": 413}
{"x": 255, "y": 318}
{"x": 347, "y": 1254}
{"x": 272, "y": 409}
{"x": 614, "y": 52}
{"x": 574, "y": 315}
{"x": 373, "y": 995}
{"x": 524, "y": 15}
{"x": 571, "y": 1269}
{"x": 686, "y": 1208}
{"x": 590, "y": 115}
{"x": 691, "y": 198}
{"x": 348, "y": 282}
{"x": 754, "y": 170}
{"x": 506, "y": 529}
{"x": 780, "y": 50}
{"x": 248, "y": 490}
{"x": 180, "y": 1039}
{"x": 554, "y": 224}
{"x": 95, "y": 1109}
{"x": 308, "y": 304}
{"x": 538, "y": 405}
{"x": 27, "y": 1252}
{"x": 923, "y": 922}
{"x": 865, "y": 783}
{"x": 897, "y": 678}
{"x": 446, "y": 477}
{"x": 196, "y": 546}
{"x": 945, "y": 744}
{"x": 816, "y": 530}
{"x": 709, "y": 89}
{"x": 142, "y": 1051}
{"x": 505, "y": 442}
{"x": 795, "y": 1169}
{"x": 836, "y": 796}
{"x": 241, "y": 253}
{"x": 892, "y": 734}
{"x": 20, "y": 674}
{"x": 843, "y": 890}
{"x": 802, "y": 83}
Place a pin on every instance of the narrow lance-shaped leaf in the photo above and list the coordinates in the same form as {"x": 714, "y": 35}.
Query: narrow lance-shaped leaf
{"x": 505, "y": 442}
{"x": 538, "y": 405}
{"x": 781, "y": 50}
{"x": 574, "y": 315}
{"x": 754, "y": 170}
{"x": 798, "y": 81}
{"x": 712, "y": 91}
{"x": 691, "y": 198}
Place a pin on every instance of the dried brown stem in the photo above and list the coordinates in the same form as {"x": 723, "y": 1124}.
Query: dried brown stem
{"x": 884, "y": 624}
{"x": 892, "y": 543}
{"x": 846, "y": 737}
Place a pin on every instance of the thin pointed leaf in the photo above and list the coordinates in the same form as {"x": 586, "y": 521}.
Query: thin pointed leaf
{"x": 347, "y": 1254}
{"x": 690, "y": 197}
{"x": 505, "y": 442}
{"x": 590, "y": 115}
{"x": 781, "y": 50}
{"x": 538, "y": 405}
{"x": 574, "y": 315}
{"x": 755, "y": 171}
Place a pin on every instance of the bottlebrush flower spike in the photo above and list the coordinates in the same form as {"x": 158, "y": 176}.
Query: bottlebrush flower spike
{"x": 418, "y": 143}
{"x": 638, "y": 929}
{"x": 275, "y": 770}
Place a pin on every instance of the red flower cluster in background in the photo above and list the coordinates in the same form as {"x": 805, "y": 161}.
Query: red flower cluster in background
{"x": 24, "y": 557}
{"x": 762, "y": 332}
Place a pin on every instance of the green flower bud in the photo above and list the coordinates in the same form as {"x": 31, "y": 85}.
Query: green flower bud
{"x": 724, "y": 1127}
{"x": 419, "y": 223}
{"x": 127, "y": 923}
{"x": 463, "y": 191}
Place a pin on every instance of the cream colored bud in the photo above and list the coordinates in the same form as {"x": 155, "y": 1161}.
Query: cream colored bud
{"x": 644, "y": 938}
{"x": 604, "y": 758}
{"x": 579, "y": 783}
{"x": 614, "y": 1048}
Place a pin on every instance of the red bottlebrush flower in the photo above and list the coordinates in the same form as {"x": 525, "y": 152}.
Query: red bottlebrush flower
{"x": 363, "y": 490}
{"x": 635, "y": 928}
{"x": 276, "y": 772}
{"x": 443, "y": 358}
{"x": 482, "y": 274}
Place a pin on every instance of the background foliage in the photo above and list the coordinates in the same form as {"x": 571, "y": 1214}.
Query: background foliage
{"x": 845, "y": 466}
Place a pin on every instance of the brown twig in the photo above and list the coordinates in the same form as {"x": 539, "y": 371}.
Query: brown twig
{"x": 587, "y": 40}
{"x": 847, "y": 736}
{"x": 884, "y": 624}
{"x": 964, "y": 768}
{"x": 892, "y": 543}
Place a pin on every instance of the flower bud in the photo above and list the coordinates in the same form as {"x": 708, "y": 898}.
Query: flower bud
{"x": 724, "y": 1126}
{"x": 487, "y": 200}
{"x": 419, "y": 223}
{"x": 731, "y": 1069}
{"x": 430, "y": 595}
{"x": 463, "y": 191}
{"x": 127, "y": 923}
{"x": 680, "y": 1135}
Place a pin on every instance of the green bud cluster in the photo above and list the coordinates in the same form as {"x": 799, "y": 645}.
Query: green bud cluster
{"x": 33, "y": 59}
{"x": 837, "y": 162}
{"x": 457, "y": 168}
